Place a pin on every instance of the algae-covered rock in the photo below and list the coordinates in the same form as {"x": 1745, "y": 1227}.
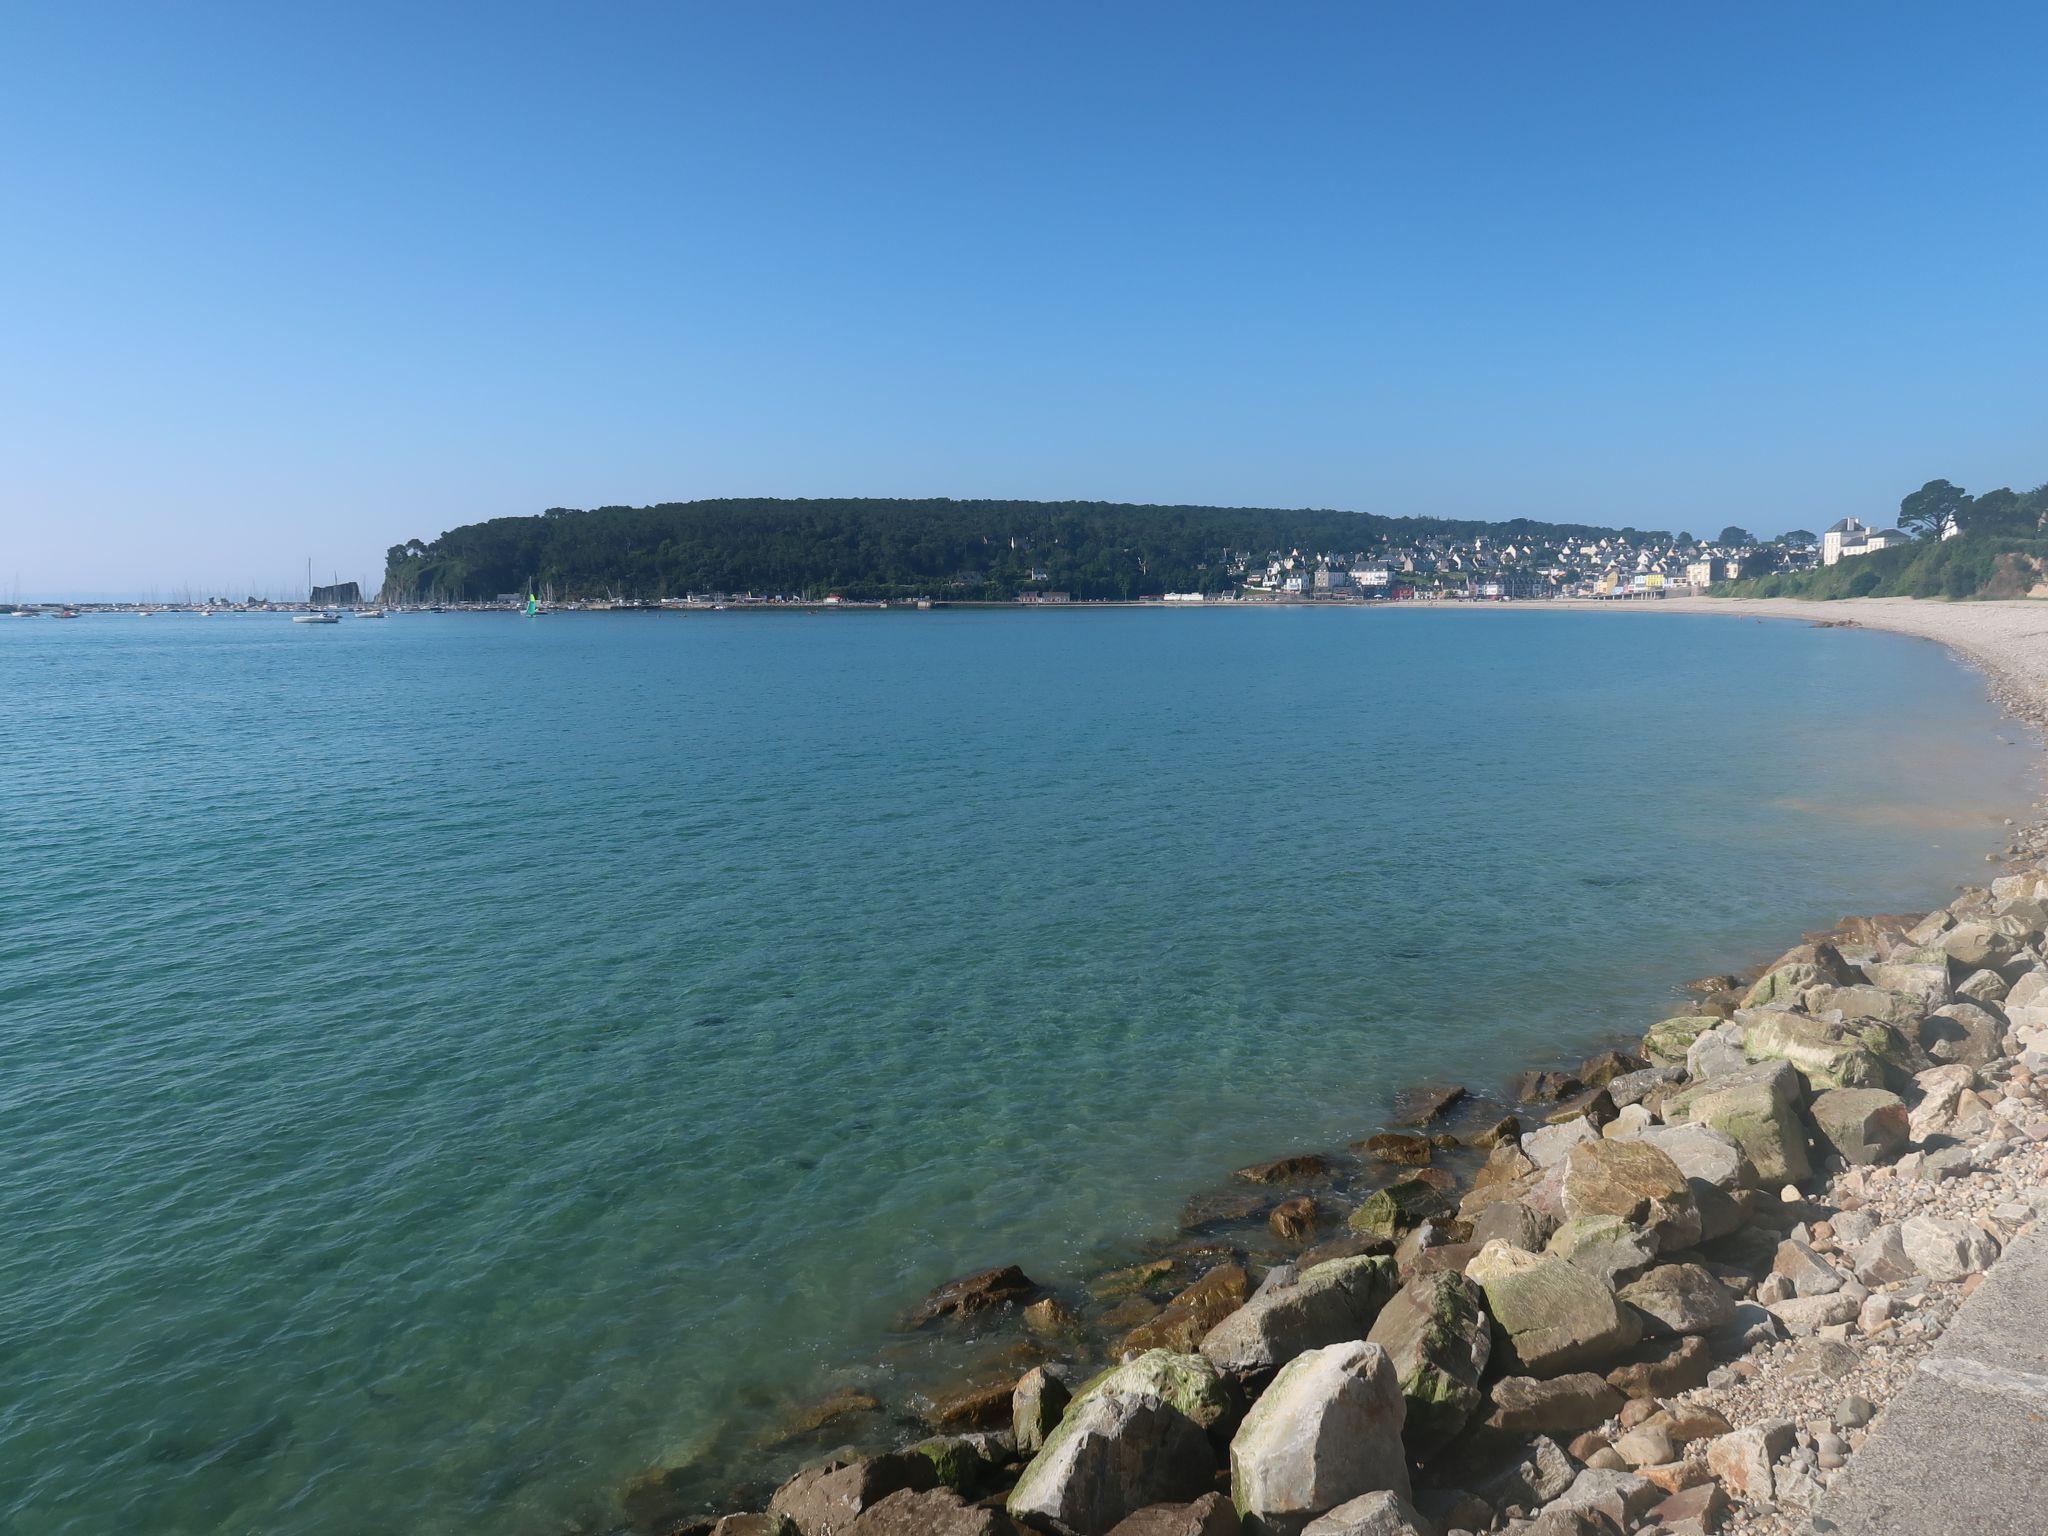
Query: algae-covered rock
{"x": 1036, "y": 1406}
{"x": 1393, "y": 1210}
{"x": 1326, "y": 1304}
{"x": 1901, "y": 1010}
{"x": 1436, "y": 1333}
{"x": 1551, "y": 1316}
{"x": 1327, "y": 1431}
{"x": 1137, "y": 1434}
{"x": 1190, "y": 1383}
{"x": 1924, "y": 980}
{"x": 1758, "y": 1108}
{"x": 1849, "y": 1054}
{"x": 1604, "y": 1246}
{"x": 1111, "y": 1456}
{"x": 1667, "y": 1041}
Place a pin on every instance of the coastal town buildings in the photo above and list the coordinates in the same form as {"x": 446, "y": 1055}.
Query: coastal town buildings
{"x": 1846, "y": 539}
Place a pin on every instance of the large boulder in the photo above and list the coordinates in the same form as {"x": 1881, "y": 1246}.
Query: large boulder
{"x": 1373, "y": 1514}
{"x": 1325, "y": 1432}
{"x": 1828, "y": 1054}
{"x": 1758, "y": 1108}
{"x": 825, "y": 1497}
{"x": 1877, "y": 1005}
{"x": 1136, "y": 1435}
{"x": 1556, "y": 1405}
{"x": 1949, "y": 1104}
{"x": 1436, "y": 1333}
{"x": 1512, "y": 1222}
{"x": 1947, "y": 1248}
{"x": 1210, "y": 1515}
{"x": 1680, "y": 1298}
{"x": 1977, "y": 946}
{"x": 1326, "y": 1304}
{"x": 1037, "y": 1404}
{"x": 1550, "y": 1315}
{"x": 1962, "y": 1031}
{"x": 1863, "y": 1125}
{"x": 934, "y": 1512}
{"x": 1926, "y": 981}
{"x": 1637, "y": 1182}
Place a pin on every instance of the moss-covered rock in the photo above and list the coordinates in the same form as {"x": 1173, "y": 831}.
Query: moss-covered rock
{"x": 1436, "y": 1332}
{"x": 1667, "y": 1041}
{"x": 1390, "y": 1211}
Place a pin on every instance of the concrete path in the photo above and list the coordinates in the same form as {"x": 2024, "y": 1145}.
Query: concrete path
{"x": 1963, "y": 1449}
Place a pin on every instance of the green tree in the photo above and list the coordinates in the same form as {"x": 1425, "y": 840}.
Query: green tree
{"x": 1733, "y": 535}
{"x": 1926, "y": 512}
{"x": 1797, "y": 537}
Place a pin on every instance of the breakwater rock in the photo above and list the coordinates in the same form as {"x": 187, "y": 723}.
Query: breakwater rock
{"x": 1675, "y": 1303}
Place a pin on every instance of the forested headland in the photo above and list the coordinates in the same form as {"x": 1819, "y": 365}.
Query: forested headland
{"x": 870, "y": 548}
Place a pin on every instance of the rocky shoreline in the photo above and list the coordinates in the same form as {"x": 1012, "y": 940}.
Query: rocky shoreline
{"x": 1668, "y": 1291}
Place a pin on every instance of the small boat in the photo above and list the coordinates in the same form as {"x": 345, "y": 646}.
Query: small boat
{"x": 316, "y": 618}
{"x": 67, "y": 613}
{"x": 369, "y": 613}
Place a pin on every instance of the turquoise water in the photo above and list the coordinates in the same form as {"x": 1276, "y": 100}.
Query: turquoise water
{"x": 451, "y": 1064}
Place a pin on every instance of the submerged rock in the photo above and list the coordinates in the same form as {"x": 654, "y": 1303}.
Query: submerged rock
{"x": 1187, "y": 1319}
{"x": 971, "y": 1295}
{"x": 1421, "y": 1105}
{"x": 1286, "y": 1170}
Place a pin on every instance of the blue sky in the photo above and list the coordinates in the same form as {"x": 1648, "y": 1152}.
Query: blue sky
{"x": 291, "y": 281}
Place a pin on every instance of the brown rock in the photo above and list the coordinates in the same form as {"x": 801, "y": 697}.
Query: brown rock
{"x": 985, "y": 1406}
{"x": 971, "y": 1295}
{"x": 1286, "y": 1170}
{"x": 933, "y": 1512}
{"x": 1397, "y": 1147}
{"x": 808, "y": 1418}
{"x": 1543, "y": 1087}
{"x": 1419, "y": 1106}
{"x": 1349, "y": 1245}
{"x": 1675, "y": 1476}
{"x": 1587, "y": 1444}
{"x": 743, "y": 1525}
{"x": 1050, "y": 1315}
{"x": 1695, "y": 1511}
{"x": 1296, "y": 1220}
{"x": 1220, "y": 1207}
{"x": 1598, "y": 1071}
{"x": 825, "y": 1498}
{"x": 1662, "y": 1367}
{"x": 1150, "y": 1275}
{"x": 1525, "y": 1405}
{"x": 1210, "y": 1515}
{"x": 1507, "y": 1128}
{"x": 1191, "y": 1314}
{"x": 1596, "y": 1105}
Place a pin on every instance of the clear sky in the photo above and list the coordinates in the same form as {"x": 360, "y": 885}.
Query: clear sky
{"x": 291, "y": 281}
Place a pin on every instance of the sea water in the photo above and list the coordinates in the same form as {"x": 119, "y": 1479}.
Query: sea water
{"x": 452, "y": 1064}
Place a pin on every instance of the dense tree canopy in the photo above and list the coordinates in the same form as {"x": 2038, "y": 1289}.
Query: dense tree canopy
{"x": 896, "y": 548}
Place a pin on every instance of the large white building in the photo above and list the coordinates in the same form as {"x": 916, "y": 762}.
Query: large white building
{"x": 1852, "y": 537}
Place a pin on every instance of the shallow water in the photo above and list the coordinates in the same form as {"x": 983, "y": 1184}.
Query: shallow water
{"x": 451, "y": 1064}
